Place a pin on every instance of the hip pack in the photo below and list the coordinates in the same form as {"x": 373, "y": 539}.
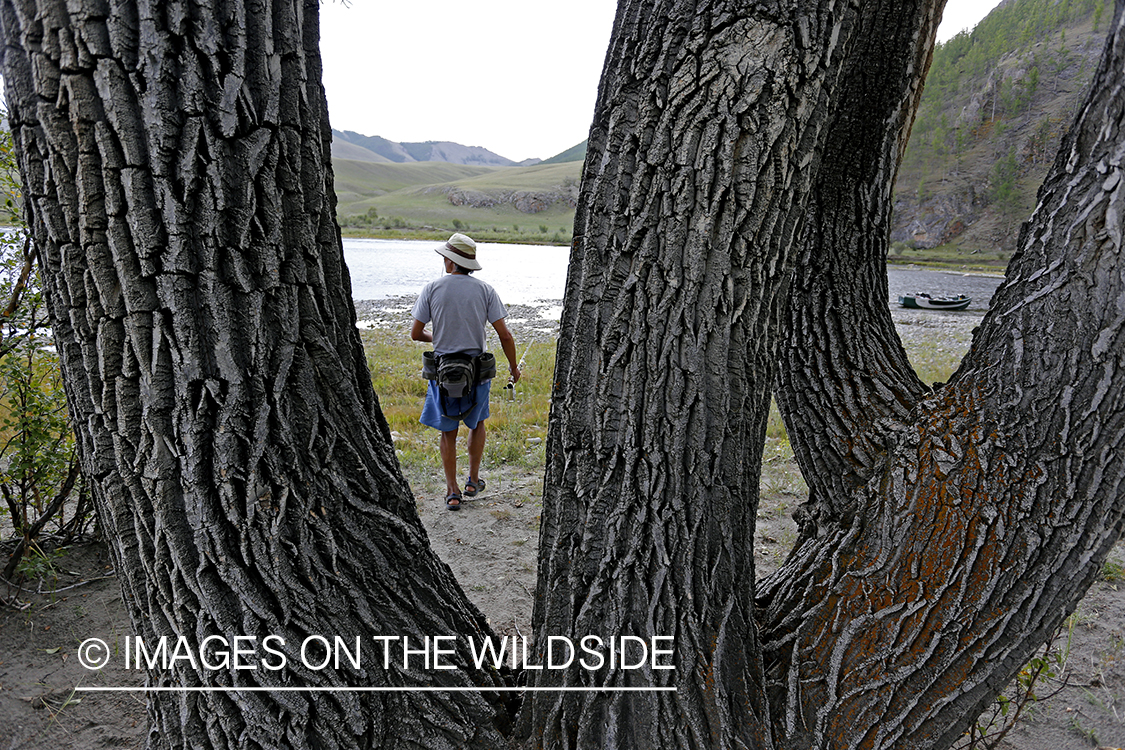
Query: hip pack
{"x": 457, "y": 377}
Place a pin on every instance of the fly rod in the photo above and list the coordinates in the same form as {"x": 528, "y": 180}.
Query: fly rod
{"x": 511, "y": 386}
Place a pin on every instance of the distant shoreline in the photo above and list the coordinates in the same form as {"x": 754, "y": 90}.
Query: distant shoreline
{"x": 430, "y": 233}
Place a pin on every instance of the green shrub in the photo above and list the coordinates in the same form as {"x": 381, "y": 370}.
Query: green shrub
{"x": 39, "y": 477}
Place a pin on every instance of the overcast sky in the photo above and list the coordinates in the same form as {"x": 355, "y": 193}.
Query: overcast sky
{"x": 516, "y": 77}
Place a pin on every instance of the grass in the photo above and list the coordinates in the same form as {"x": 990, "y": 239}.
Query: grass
{"x": 935, "y": 361}
{"x": 952, "y": 255}
{"x": 537, "y": 177}
{"x": 356, "y": 180}
{"x": 517, "y": 426}
{"x": 1113, "y": 571}
{"x": 1086, "y": 733}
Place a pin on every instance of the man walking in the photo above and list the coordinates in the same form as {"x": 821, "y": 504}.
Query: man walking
{"x": 459, "y": 307}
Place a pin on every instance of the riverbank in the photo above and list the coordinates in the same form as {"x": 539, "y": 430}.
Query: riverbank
{"x": 558, "y": 236}
{"x": 938, "y": 259}
{"x": 530, "y": 322}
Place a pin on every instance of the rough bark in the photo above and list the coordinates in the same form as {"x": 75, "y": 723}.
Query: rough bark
{"x": 845, "y": 383}
{"x": 929, "y": 571}
{"x": 986, "y": 519}
{"x": 709, "y": 126}
{"x": 176, "y": 161}
{"x": 178, "y": 178}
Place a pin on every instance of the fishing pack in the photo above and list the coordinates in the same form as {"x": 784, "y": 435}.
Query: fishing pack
{"x": 457, "y": 376}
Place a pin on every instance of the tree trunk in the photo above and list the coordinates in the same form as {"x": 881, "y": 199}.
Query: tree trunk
{"x": 176, "y": 161}
{"x": 916, "y": 596}
{"x": 934, "y": 556}
{"x": 845, "y": 381}
{"x": 710, "y": 124}
{"x": 178, "y": 178}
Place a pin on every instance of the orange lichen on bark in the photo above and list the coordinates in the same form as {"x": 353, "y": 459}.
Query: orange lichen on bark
{"x": 917, "y": 581}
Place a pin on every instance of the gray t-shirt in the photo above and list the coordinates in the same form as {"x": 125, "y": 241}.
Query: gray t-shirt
{"x": 460, "y": 306}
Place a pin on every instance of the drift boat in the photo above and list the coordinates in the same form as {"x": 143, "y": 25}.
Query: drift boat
{"x": 924, "y": 301}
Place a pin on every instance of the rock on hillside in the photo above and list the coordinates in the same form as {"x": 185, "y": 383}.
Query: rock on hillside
{"x": 525, "y": 201}
{"x": 934, "y": 220}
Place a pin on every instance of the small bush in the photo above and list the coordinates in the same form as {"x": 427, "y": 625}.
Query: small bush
{"x": 39, "y": 477}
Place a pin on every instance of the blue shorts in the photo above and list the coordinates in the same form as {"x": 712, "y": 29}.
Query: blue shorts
{"x": 432, "y": 416}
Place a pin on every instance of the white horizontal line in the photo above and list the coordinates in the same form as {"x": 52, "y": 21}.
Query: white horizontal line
{"x": 426, "y": 689}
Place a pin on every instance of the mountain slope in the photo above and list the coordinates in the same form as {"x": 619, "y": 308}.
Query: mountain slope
{"x": 345, "y": 143}
{"x": 512, "y": 200}
{"x": 342, "y": 149}
{"x": 574, "y": 153}
{"x": 996, "y": 103}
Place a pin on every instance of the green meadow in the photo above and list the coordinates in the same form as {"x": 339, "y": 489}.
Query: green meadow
{"x": 413, "y": 200}
{"x": 517, "y": 425}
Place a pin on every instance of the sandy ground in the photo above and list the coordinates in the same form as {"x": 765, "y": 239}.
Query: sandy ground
{"x": 491, "y": 545}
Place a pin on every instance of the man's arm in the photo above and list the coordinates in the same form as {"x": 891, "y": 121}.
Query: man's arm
{"x": 419, "y": 332}
{"x": 508, "y": 344}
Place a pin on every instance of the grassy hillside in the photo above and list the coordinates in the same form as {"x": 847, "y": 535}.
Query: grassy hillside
{"x": 344, "y": 150}
{"x": 574, "y": 153}
{"x": 537, "y": 177}
{"x": 524, "y": 204}
{"x": 996, "y": 103}
{"x": 360, "y": 181}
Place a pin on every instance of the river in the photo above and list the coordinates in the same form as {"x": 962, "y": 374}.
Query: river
{"x": 536, "y": 274}
{"x": 521, "y": 274}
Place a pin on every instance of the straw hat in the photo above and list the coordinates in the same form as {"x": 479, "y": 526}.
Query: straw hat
{"x": 461, "y": 250}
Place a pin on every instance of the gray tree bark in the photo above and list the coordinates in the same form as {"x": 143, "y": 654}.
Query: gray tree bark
{"x": 945, "y": 537}
{"x": 177, "y": 169}
{"x": 710, "y": 126}
{"x": 845, "y": 381}
{"x": 992, "y": 506}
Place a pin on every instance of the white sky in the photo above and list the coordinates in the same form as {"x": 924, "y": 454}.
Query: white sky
{"x": 516, "y": 77}
{"x": 963, "y": 14}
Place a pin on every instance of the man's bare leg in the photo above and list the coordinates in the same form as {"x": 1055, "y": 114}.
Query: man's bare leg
{"x": 448, "y": 448}
{"x": 476, "y": 449}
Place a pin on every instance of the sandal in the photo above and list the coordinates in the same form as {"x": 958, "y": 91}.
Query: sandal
{"x": 449, "y": 501}
{"x": 476, "y": 484}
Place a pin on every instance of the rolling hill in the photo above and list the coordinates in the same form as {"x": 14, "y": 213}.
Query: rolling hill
{"x": 350, "y": 145}
{"x": 574, "y": 153}
{"x": 533, "y": 203}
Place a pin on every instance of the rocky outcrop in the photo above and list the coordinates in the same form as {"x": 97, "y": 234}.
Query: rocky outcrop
{"x": 933, "y": 221}
{"x": 525, "y": 201}
{"x": 993, "y": 112}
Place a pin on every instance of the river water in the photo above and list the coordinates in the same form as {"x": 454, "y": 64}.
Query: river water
{"x": 536, "y": 274}
{"x": 521, "y": 274}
